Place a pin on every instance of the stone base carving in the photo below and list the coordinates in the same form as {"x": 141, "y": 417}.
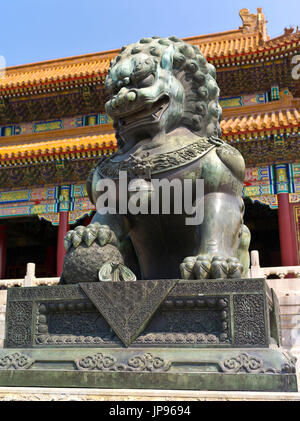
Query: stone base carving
{"x": 215, "y": 369}
{"x": 208, "y": 334}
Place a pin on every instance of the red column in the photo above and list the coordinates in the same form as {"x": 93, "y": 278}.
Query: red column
{"x": 288, "y": 246}
{"x": 87, "y": 220}
{"x": 62, "y": 230}
{"x": 3, "y": 238}
{"x": 295, "y": 211}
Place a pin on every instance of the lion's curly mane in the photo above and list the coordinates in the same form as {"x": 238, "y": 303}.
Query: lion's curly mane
{"x": 202, "y": 112}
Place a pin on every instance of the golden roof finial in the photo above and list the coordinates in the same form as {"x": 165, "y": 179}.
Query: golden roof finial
{"x": 288, "y": 31}
{"x": 254, "y": 22}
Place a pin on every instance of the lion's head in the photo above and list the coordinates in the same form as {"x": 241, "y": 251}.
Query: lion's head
{"x": 159, "y": 84}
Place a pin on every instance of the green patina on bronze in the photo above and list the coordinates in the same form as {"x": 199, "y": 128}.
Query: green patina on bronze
{"x": 144, "y": 380}
{"x": 164, "y": 313}
{"x": 164, "y": 104}
{"x": 192, "y": 334}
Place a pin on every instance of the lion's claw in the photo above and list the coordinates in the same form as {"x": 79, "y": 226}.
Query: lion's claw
{"x": 87, "y": 235}
{"x": 219, "y": 267}
{"x": 205, "y": 267}
{"x": 235, "y": 268}
{"x": 186, "y": 267}
{"x": 202, "y": 267}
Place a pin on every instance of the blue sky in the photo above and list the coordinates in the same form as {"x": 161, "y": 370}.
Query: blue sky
{"x": 36, "y": 30}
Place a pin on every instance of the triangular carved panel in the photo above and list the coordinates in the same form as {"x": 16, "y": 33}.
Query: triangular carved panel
{"x": 128, "y": 306}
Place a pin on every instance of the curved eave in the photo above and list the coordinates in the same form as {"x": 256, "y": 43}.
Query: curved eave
{"x": 57, "y": 150}
{"x": 262, "y": 124}
{"x": 264, "y": 50}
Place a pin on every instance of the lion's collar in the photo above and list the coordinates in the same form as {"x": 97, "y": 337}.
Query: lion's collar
{"x": 145, "y": 165}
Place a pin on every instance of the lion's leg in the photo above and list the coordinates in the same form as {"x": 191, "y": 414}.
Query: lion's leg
{"x": 217, "y": 255}
{"x": 243, "y": 249}
{"x": 219, "y": 231}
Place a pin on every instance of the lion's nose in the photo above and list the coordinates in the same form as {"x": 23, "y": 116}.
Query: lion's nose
{"x": 123, "y": 97}
{"x": 120, "y": 100}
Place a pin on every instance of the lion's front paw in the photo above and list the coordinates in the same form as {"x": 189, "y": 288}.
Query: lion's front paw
{"x": 205, "y": 267}
{"x": 102, "y": 234}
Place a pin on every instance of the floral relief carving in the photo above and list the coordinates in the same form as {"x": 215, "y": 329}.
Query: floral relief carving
{"x": 144, "y": 362}
{"x": 242, "y": 363}
{"x": 16, "y": 361}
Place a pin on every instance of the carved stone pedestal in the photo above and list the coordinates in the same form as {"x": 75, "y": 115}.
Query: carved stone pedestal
{"x": 165, "y": 334}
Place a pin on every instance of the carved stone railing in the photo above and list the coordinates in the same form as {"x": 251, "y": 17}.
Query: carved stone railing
{"x": 281, "y": 271}
{"x": 29, "y": 280}
{"x": 256, "y": 271}
{"x": 8, "y": 283}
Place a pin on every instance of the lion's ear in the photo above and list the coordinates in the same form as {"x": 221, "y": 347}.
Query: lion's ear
{"x": 167, "y": 58}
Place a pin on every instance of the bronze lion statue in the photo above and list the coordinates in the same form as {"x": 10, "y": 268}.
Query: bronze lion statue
{"x": 164, "y": 104}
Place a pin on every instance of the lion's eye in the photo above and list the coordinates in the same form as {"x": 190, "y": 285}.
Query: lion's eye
{"x": 147, "y": 81}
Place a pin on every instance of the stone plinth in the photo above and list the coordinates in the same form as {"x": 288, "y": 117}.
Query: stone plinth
{"x": 165, "y": 334}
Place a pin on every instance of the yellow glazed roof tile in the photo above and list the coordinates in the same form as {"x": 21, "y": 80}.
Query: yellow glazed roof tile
{"x": 56, "y": 70}
{"x": 62, "y": 146}
{"x": 238, "y": 44}
{"x": 242, "y": 44}
{"x": 277, "y": 119}
{"x": 218, "y": 46}
{"x": 231, "y": 125}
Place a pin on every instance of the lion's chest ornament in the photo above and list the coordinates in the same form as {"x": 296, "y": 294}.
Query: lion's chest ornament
{"x": 147, "y": 165}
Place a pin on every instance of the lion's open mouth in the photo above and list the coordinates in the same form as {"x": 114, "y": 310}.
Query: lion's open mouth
{"x": 145, "y": 116}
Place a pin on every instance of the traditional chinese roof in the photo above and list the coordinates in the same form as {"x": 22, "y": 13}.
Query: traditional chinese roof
{"x": 52, "y": 72}
{"x": 262, "y": 122}
{"x": 237, "y": 47}
{"x": 239, "y": 123}
{"x": 280, "y": 116}
{"x": 67, "y": 148}
{"x": 247, "y": 45}
{"x": 246, "y": 58}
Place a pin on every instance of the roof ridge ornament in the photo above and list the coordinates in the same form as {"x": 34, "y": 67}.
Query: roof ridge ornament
{"x": 288, "y": 31}
{"x": 254, "y": 23}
